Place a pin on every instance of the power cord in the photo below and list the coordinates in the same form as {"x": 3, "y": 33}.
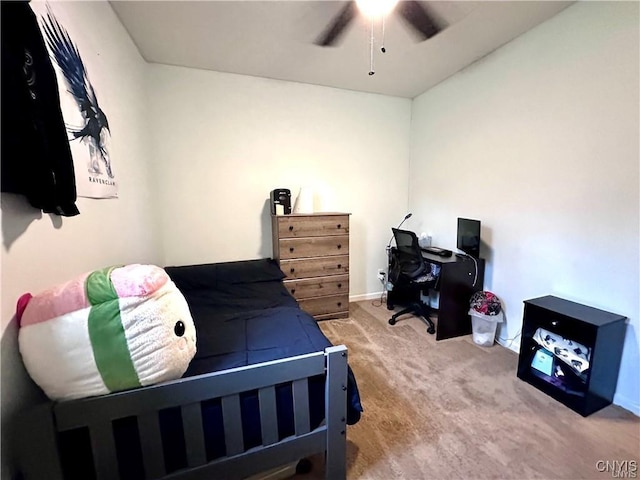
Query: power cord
{"x": 383, "y": 300}
{"x": 475, "y": 264}
{"x": 383, "y": 295}
{"x": 511, "y": 340}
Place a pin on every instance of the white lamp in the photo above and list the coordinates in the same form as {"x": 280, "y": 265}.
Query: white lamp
{"x": 304, "y": 201}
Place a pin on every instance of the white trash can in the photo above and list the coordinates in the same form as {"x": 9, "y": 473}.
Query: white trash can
{"x": 484, "y": 327}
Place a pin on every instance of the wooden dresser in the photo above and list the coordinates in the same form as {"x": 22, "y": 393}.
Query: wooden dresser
{"x": 313, "y": 251}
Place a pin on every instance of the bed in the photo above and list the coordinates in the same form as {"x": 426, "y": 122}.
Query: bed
{"x": 265, "y": 388}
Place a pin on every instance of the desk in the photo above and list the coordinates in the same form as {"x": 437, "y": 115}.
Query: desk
{"x": 455, "y": 287}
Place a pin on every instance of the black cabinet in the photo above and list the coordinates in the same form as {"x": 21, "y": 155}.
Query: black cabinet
{"x": 571, "y": 352}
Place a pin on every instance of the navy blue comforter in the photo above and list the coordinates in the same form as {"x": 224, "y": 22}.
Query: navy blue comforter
{"x": 244, "y": 315}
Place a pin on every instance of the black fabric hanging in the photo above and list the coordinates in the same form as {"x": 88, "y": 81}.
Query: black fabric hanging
{"x": 36, "y": 157}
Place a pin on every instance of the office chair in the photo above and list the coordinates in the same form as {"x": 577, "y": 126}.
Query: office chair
{"x": 409, "y": 270}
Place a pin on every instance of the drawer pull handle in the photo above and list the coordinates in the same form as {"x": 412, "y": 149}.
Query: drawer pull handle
{"x": 339, "y": 246}
{"x": 293, "y": 270}
{"x": 339, "y": 265}
{"x": 339, "y": 285}
{"x": 291, "y": 228}
{"x": 339, "y": 225}
{"x": 339, "y": 304}
{"x": 293, "y": 290}
{"x": 554, "y": 323}
{"x": 291, "y": 249}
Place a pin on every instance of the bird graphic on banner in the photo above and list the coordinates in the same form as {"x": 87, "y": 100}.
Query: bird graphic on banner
{"x": 96, "y": 126}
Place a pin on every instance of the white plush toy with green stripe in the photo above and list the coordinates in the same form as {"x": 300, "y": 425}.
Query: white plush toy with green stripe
{"x": 109, "y": 330}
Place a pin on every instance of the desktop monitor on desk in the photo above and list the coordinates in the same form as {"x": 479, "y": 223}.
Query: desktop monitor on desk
{"x": 469, "y": 236}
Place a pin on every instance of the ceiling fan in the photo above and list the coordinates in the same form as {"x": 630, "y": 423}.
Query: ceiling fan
{"x": 413, "y": 13}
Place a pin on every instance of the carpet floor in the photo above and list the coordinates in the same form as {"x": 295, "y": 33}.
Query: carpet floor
{"x": 455, "y": 410}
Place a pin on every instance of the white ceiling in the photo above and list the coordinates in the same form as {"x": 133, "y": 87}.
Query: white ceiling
{"x": 275, "y": 39}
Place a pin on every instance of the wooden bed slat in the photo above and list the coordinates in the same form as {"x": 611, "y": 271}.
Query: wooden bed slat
{"x": 231, "y": 415}
{"x": 79, "y": 413}
{"x": 194, "y": 434}
{"x": 241, "y": 466}
{"x": 103, "y": 447}
{"x": 301, "y": 406}
{"x": 151, "y": 442}
{"x": 268, "y": 415}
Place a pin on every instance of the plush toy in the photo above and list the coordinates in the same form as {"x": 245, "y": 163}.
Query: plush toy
{"x": 109, "y": 330}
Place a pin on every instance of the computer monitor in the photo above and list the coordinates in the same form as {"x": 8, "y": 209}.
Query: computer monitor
{"x": 469, "y": 236}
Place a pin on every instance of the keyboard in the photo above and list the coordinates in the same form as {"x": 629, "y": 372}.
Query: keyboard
{"x": 441, "y": 252}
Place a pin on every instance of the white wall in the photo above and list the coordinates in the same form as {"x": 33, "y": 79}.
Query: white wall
{"x": 41, "y": 250}
{"x": 540, "y": 141}
{"x": 223, "y": 142}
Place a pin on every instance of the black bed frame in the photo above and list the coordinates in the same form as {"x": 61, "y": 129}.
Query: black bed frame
{"x": 38, "y": 446}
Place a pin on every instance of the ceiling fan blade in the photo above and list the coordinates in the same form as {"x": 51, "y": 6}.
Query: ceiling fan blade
{"x": 337, "y": 25}
{"x": 416, "y": 16}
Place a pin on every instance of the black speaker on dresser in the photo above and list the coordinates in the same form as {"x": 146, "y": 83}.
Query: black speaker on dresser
{"x": 281, "y": 196}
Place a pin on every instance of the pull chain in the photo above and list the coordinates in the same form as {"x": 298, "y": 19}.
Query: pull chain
{"x": 382, "y": 49}
{"x": 371, "y": 69}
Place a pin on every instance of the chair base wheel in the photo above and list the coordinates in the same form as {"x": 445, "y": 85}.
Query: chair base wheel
{"x": 431, "y": 330}
{"x": 392, "y": 321}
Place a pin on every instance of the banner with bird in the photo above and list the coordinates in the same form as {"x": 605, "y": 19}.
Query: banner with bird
{"x": 87, "y": 124}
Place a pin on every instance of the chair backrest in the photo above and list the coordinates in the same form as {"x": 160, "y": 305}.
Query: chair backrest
{"x": 409, "y": 254}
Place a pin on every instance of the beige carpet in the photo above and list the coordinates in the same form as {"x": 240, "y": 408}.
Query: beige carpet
{"x": 454, "y": 410}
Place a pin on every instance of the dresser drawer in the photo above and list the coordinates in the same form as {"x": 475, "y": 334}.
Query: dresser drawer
{"x": 314, "y": 246}
{"x": 320, "y": 306}
{"x": 317, "y": 287}
{"x": 315, "y": 267}
{"x": 292, "y": 227}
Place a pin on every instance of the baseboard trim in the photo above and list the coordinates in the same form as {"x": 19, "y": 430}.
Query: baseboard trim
{"x": 365, "y": 296}
{"x": 515, "y": 345}
{"x": 627, "y": 403}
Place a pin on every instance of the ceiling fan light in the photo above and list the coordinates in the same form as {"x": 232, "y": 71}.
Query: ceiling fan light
{"x": 376, "y": 8}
